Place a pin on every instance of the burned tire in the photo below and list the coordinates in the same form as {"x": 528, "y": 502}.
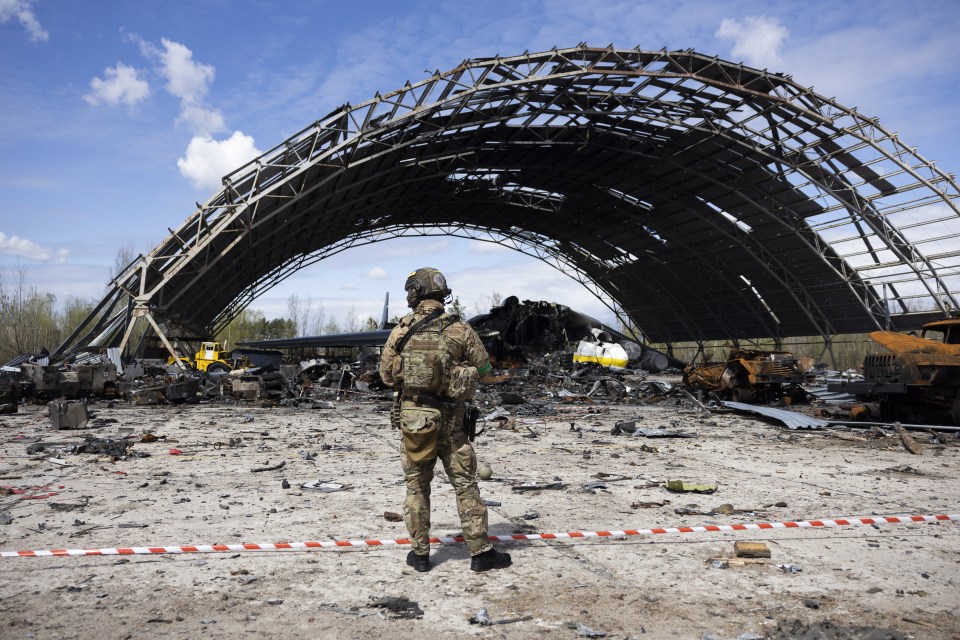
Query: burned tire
{"x": 742, "y": 394}
{"x": 218, "y": 368}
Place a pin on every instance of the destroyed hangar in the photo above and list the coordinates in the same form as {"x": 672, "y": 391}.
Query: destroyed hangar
{"x": 698, "y": 198}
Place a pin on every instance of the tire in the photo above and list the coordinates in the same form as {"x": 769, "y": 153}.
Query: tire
{"x": 742, "y": 394}
{"x": 218, "y": 367}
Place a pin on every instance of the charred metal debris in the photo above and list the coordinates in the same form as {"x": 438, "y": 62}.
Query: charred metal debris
{"x": 548, "y": 360}
{"x": 533, "y": 344}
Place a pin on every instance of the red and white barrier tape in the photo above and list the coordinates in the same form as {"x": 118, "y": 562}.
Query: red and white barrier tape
{"x": 572, "y": 535}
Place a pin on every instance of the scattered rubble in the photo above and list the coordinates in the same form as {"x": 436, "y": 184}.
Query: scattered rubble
{"x": 571, "y": 445}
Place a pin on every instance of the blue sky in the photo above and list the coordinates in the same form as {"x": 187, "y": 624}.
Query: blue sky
{"x": 117, "y": 117}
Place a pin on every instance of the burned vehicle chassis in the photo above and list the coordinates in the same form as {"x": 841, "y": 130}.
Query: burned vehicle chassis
{"x": 751, "y": 376}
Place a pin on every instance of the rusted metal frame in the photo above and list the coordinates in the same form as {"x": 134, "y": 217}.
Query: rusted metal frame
{"x": 752, "y": 144}
{"x": 539, "y": 111}
{"x": 707, "y": 102}
{"x": 908, "y": 169}
{"x": 787, "y": 279}
{"x": 246, "y": 169}
{"x": 727, "y": 69}
{"x": 546, "y": 109}
{"x": 102, "y": 320}
{"x": 767, "y": 261}
{"x": 532, "y": 247}
{"x": 511, "y": 104}
{"x": 463, "y": 97}
{"x": 215, "y": 231}
{"x": 717, "y": 83}
{"x": 258, "y": 172}
{"x": 881, "y": 228}
{"x": 450, "y": 83}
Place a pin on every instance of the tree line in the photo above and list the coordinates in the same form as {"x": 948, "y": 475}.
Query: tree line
{"x": 32, "y": 320}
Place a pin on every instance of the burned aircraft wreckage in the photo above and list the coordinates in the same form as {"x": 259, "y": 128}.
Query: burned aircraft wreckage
{"x": 699, "y": 199}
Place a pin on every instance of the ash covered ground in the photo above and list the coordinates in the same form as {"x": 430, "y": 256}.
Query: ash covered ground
{"x": 197, "y": 486}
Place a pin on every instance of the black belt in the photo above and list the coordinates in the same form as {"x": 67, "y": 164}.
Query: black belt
{"x": 425, "y": 400}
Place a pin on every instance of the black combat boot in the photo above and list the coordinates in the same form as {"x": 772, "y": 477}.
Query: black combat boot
{"x": 419, "y": 563}
{"x": 491, "y": 559}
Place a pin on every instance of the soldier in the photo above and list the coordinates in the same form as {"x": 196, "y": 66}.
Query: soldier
{"x": 434, "y": 361}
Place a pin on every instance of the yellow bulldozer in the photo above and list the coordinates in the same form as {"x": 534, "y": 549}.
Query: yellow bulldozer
{"x": 211, "y": 358}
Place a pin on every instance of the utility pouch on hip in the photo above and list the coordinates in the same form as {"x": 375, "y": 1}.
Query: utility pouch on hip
{"x": 420, "y": 427}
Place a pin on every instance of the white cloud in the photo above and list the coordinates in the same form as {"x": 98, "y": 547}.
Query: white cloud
{"x": 208, "y": 160}
{"x": 120, "y": 84}
{"x": 21, "y": 247}
{"x": 203, "y": 121}
{"x": 377, "y": 274}
{"x": 477, "y": 246}
{"x": 757, "y": 40}
{"x": 186, "y": 78}
{"x": 22, "y": 10}
{"x": 348, "y": 286}
{"x": 189, "y": 81}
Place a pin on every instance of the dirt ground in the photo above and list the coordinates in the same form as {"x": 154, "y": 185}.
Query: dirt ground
{"x": 895, "y": 581}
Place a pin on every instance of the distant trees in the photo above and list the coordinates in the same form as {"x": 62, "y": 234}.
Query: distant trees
{"x": 485, "y": 303}
{"x": 307, "y": 319}
{"x": 251, "y": 324}
{"x": 30, "y": 319}
{"x": 457, "y": 308}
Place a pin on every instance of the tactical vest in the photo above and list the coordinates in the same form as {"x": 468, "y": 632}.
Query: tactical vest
{"x": 428, "y": 367}
{"x": 426, "y": 361}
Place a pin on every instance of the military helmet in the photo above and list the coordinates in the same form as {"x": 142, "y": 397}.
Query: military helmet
{"x": 426, "y": 283}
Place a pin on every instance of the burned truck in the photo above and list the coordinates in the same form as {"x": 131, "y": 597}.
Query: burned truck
{"x": 47, "y": 382}
{"x": 918, "y": 379}
{"x": 752, "y": 375}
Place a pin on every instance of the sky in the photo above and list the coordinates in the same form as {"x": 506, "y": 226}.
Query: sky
{"x": 117, "y": 117}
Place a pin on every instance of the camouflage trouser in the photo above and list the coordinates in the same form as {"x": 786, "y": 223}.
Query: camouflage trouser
{"x": 428, "y": 435}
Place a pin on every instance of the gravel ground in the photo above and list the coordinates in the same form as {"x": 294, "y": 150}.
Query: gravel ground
{"x": 895, "y": 581}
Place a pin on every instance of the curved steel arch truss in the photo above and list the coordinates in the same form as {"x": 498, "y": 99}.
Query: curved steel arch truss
{"x": 700, "y": 199}
{"x": 524, "y": 242}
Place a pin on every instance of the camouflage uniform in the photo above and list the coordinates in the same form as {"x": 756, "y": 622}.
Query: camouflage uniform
{"x": 431, "y": 432}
